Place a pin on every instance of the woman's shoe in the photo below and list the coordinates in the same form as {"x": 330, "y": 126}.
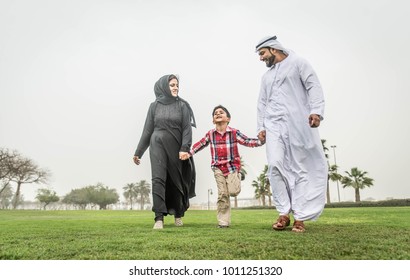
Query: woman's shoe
{"x": 158, "y": 225}
{"x": 178, "y": 222}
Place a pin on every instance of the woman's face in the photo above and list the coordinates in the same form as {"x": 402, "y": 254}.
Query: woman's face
{"x": 174, "y": 87}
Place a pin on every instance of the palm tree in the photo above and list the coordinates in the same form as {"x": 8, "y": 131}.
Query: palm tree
{"x": 262, "y": 187}
{"x": 356, "y": 179}
{"x": 258, "y": 193}
{"x": 143, "y": 189}
{"x": 267, "y": 186}
{"x": 325, "y": 150}
{"x": 130, "y": 193}
{"x": 333, "y": 175}
{"x": 243, "y": 170}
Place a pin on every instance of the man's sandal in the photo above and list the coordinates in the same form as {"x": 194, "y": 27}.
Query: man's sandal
{"x": 298, "y": 226}
{"x": 281, "y": 223}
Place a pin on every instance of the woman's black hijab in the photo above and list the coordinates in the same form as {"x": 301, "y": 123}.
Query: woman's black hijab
{"x": 164, "y": 96}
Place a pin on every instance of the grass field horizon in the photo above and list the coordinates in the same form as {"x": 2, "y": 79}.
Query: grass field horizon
{"x": 370, "y": 233}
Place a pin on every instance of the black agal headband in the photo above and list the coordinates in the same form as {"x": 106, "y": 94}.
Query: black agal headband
{"x": 260, "y": 44}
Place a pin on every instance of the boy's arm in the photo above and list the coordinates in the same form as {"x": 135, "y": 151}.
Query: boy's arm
{"x": 198, "y": 146}
{"x": 195, "y": 148}
{"x": 246, "y": 141}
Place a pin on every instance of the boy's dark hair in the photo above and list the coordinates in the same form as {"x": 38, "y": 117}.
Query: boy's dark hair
{"x": 223, "y": 108}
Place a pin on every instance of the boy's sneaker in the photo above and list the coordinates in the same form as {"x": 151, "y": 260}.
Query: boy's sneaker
{"x": 158, "y": 225}
{"x": 223, "y": 226}
{"x": 178, "y": 222}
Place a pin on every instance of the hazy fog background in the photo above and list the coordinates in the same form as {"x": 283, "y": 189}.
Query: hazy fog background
{"x": 77, "y": 77}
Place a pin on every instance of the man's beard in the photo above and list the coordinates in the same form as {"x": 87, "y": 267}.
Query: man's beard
{"x": 270, "y": 62}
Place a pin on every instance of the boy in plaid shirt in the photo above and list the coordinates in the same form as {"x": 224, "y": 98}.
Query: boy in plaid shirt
{"x": 225, "y": 159}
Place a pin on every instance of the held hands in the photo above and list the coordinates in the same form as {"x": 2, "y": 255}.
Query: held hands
{"x": 314, "y": 120}
{"x": 184, "y": 155}
{"x": 262, "y": 136}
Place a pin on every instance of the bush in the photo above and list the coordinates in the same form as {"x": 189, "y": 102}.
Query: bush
{"x": 381, "y": 203}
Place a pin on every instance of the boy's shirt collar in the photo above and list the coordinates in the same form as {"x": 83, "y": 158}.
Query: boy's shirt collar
{"x": 228, "y": 129}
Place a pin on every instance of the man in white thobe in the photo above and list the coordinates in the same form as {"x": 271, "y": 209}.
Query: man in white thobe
{"x": 290, "y": 108}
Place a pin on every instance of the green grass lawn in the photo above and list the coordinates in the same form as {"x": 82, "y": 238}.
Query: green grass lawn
{"x": 370, "y": 233}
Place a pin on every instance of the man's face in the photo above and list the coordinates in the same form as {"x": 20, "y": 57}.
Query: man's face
{"x": 265, "y": 54}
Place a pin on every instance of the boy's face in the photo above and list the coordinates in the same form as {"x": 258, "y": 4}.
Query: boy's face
{"x": 220, "y": 116}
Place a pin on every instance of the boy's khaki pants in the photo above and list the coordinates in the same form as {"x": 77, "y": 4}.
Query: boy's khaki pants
{"x": 227, "y": 186}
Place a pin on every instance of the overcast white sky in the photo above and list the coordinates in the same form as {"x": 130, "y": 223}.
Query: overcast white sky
{"x": 77, "y": 77}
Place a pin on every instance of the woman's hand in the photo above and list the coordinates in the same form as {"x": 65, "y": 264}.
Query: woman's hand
{"x": 137, "y": 160}
{"x": 184, "y": 155}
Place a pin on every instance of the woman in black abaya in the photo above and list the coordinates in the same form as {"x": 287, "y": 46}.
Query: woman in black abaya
{"x": 167, "y": 132}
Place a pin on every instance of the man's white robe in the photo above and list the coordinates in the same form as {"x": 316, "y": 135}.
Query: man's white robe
{"x": 290, "y": 92}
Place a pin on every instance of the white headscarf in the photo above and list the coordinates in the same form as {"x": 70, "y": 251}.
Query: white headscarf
{"x": 270, "y": 42}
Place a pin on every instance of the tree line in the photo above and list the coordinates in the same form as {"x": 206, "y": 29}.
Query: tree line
{"x": 19, "y": 170}
{"x": 354, "y": 178}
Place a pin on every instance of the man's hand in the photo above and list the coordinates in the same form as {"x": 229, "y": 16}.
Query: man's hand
{"x": 314, "y": 120}
{"x": 262, "y": 136}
